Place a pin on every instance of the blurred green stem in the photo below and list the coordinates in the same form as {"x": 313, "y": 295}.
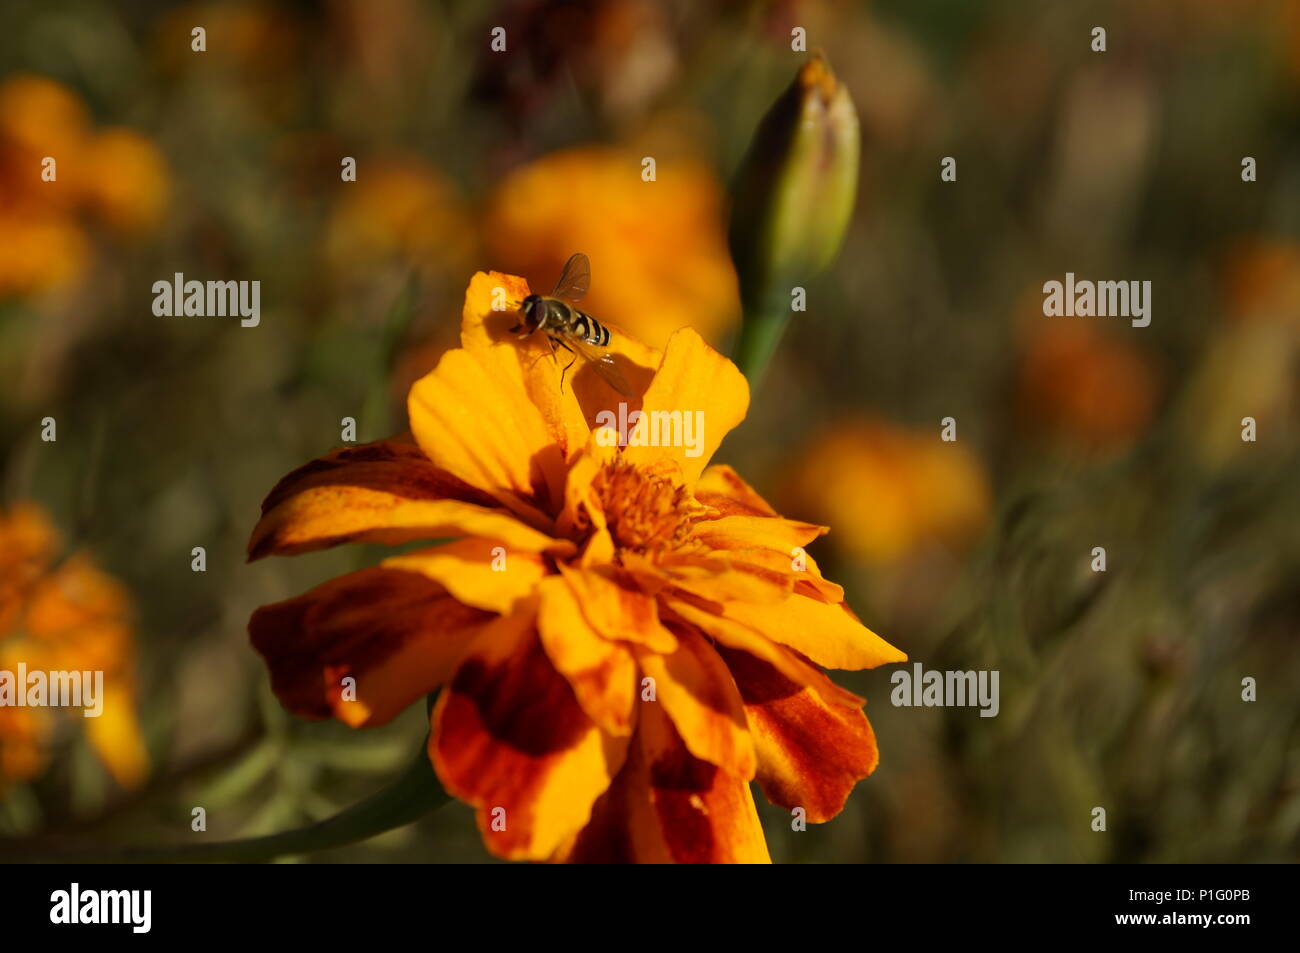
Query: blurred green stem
{"x": 377, "y": 409}
{"x": 760, "y": 334}
{"x": 413, "y": 795}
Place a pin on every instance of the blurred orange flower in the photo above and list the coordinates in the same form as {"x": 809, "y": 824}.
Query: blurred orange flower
{"x": 890, "y": 490}
{"x": 114, "y": 176}
{"x": 38, "y": 117}
{"x": 1249, "y": 367}
{"x": 624, "y": 635}
{"x": 400, "y": 208}
{"x": 123, "y": 180}
{"x": 1089, "y": 387}
{"x": 658, "y": 249}
{"x": 68, "y": 616}
{"x": 1262, "y": 282}
{"x": 41, "y": 251}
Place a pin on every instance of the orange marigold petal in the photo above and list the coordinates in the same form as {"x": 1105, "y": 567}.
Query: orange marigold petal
{"x": 582, "y": 507}
{"x": 721, "y": 579}
{"x": 734, "y": 635}
{"x": 116, "y": 737}
{"x": 765, "y": 544}
{"x": 481, "y": 426}
{"x": 482, "y": 573}
{"x": 398, "y": 634}
{"x": 693, "y": 377}
{"x": 384, "y": 492}
{"x": 810, "y": 753}
{"x": 830, "y": 635}
{"x": 668, "y": 806}
{"x": 570, "y": 400}
{"x": 698, "y": 693}
{"x": 722, "y": 488}
{"x": 743, "y": 533}
{"x": 601, "y": 671}
{"x": 618, "y": 611}
{"x": 510, "y": 738}
{"x": 492, "y": 304}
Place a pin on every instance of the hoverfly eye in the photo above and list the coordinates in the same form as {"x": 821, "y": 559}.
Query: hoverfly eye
{"x": 533, "y": 309}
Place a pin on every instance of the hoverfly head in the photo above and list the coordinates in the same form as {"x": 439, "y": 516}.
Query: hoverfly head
{"x": 534, "y": 311}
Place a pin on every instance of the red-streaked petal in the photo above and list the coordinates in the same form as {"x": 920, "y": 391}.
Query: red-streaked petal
{"x": 601, "y": 671}
{"x": 483, "y": 573}
{"x": 668, "y": 806}
{"x": 509, "y": 734}
{"x": 697, "y": 691}
{"x": 618, "y": 611}
{"x": 398, "y": 634}
{"x": 810, "y": 753}
{"x": 385, "y": 492}
{"x": 734, "y": 635}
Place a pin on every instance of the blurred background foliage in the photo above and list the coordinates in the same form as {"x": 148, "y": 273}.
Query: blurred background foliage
{"x": 1120, "y": 690}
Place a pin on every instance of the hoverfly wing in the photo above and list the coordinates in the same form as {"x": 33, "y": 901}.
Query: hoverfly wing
{"x": 575, "y": 279}
{"x": 602, "y": 362}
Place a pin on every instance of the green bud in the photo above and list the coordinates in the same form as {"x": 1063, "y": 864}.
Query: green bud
{"x": 791, "y": 202}
{"x": 793, "y": 196}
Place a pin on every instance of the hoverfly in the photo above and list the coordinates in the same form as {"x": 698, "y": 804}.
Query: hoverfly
{"x": 566, "y": 327}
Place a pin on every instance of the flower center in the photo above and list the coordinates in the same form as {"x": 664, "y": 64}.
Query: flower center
{"x": 644, "y": 513}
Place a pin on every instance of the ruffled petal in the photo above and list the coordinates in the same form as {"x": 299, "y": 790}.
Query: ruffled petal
{"x": 482, "y": 427}
{"x": 722, "y": 488}
{"x": 734, "y": 635}
{"x": 667, "y": 806}
{"x": 810, "y": 753}
{"x": 743, "y": 533}
{"x": 570, "y": 407}
{"x": 491, "y": 308}
{"x": 617, "y": 611}
{"x": 510, "y": 738}
{"x": 830, "y": 635}
{"x": 398, "y": 634}
{"x": 721, "y": 579}
{"x": 693, "y": 377}
{"x": 482, "y": 573}
{"x": 699, "y": 695}
{"x": 385, "y": 492}
{"x": 602, "y": 672}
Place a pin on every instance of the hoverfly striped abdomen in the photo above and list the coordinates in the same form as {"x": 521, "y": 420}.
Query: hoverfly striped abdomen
{"x": 589, "y": 329}
{"x": 568, "y": 328}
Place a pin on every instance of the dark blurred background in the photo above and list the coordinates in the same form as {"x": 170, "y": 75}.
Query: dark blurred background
{"x": 1121, "y": 690}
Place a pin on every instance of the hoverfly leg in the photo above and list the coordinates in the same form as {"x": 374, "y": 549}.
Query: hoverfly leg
{"x": 566, "y": 366}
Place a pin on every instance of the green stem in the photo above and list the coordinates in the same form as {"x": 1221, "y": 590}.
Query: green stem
{"x": 760, "y": 334}
{"x": 416, "y": 793}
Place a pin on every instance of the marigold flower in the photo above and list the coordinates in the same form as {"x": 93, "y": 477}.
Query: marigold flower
{"x": 61, "y": 618}
{"x": 625, "y": 636}
{"x": 657, "y": 249}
